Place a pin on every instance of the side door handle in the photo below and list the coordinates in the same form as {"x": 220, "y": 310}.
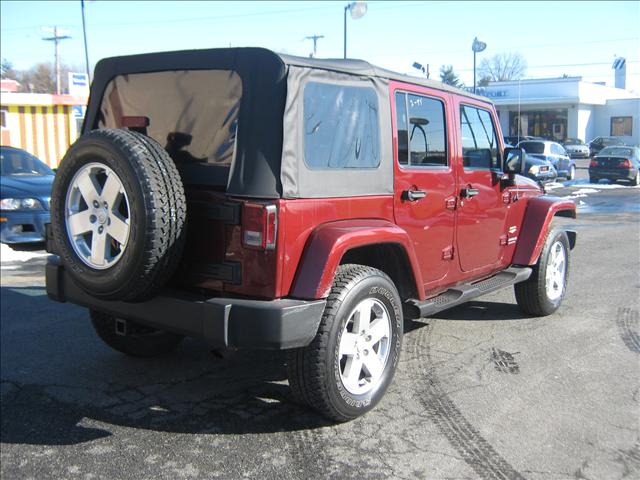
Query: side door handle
{"x": 413, "y": 195}
{"x": 469, "y": 192}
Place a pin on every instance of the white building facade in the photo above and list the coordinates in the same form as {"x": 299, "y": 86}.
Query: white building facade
{"x": 560, "y": 108}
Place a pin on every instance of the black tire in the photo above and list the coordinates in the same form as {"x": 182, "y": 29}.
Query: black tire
{"x": 315, "y": 371}
{"x": 139, "y": 341}
{"x": 636, "y": 180}
{"x": 156, "y": 214}
{"x": 572, "y": 173}
{"x": 593, "y": 179}
{"x": 532, "y": 295}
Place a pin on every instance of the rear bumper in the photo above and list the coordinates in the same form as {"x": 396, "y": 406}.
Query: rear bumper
{"x": 613, "y": 174}
{"x": 222, "y": 322}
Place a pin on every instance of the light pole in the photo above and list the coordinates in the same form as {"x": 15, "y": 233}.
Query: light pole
{"x": 422, "y": 68}
{"x": 357, "y": 10}
{"x": 477, "y": 46}
{"x": 86, "y": 50}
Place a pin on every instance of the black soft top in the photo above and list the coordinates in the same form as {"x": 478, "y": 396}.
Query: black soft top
{"x": 256, "y": 171}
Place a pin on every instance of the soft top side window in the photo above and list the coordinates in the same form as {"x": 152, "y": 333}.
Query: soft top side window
{"x": 341, "y": 127}
{"x": 479, "y": 139}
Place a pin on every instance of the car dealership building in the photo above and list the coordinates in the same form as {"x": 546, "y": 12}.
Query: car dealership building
{"x": 559, "y": 108}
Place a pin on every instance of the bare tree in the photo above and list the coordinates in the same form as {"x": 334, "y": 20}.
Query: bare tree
{"x": 41, "y": 78}
{"x": 503, "y": 66}
{"x": 7, "y": 70}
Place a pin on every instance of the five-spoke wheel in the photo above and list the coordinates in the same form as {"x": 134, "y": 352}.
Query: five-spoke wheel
{"x": 364, "y": 346}
{"x": 97, "y": 215}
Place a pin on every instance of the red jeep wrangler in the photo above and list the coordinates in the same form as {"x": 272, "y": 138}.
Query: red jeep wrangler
{"x": 258, "y": 200}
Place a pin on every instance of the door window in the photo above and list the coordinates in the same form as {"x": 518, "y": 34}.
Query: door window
{"x": 421, "y": 131}
{"x": 479, "y": 139}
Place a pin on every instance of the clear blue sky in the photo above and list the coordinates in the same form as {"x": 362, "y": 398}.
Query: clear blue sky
{"x": 556, "y": 38}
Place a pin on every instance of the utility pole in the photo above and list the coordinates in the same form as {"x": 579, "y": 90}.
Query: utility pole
{"x": 57, "y": 37}
{"x": 315, "y": 39}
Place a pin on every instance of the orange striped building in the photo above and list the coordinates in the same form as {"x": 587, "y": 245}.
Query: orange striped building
{"x": 42, "y": 124}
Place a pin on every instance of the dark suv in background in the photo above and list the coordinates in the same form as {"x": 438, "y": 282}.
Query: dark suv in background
{"x": 599, "y": 143}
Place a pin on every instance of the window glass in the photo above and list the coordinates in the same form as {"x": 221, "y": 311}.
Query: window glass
{"x": 617, "y": 151}
{"x": 340, "y": 127}
{"x": 17, "y": 162}
{"x": 555, "y": 150}
{"x": 426, "y": 132}
{"x": 403, "y": 133}
{"x": 479, "y": 139}
{"x": 621, "y": 126}
{"x": 532, "y": 147}
{"x": 192, "y": 113}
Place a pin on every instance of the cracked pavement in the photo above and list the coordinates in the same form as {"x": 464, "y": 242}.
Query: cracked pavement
{"x": 481, "y": 391}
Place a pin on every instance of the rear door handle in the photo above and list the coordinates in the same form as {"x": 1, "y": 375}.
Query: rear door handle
{"x": 469, "y": 192}
{"x": 413, "y": 195}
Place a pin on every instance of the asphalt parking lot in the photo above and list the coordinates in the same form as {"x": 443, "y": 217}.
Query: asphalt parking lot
{"x": 482, "y": 391}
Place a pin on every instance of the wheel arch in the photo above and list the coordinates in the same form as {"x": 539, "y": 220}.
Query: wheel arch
{"x": 375, "y": 243}
{"x": 538, "y": 218}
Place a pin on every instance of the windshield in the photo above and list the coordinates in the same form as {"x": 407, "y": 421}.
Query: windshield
{"x": 17, "y": 162}
{"x": 573, "y": 141}
{"x": 532, "y": 147}
{"x": 617, "y": 151}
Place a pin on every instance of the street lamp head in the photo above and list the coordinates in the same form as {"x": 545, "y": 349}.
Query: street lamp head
{"x": 478, "y": 46}
{"x": 418, "y": 66}
{"x": 357, "y": 9}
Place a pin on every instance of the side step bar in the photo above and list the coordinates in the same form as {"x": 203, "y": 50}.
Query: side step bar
{"x": 459, "y": 294}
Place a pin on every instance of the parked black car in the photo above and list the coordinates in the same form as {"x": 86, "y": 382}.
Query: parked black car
{"x": 599, "y": 143}
{"x": 616, "y": 163}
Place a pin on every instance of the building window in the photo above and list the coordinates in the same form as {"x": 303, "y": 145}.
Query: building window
{"x": 621, "y": 126}
{"x": 3, "y": 118}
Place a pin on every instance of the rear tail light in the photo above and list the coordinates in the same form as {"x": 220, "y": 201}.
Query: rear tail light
{"x": 259, "y": 226}
{"x": 594, "y": 163}
{"x": 625, "y": 164}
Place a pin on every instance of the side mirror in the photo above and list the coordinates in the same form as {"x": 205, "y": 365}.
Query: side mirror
{"x": 514, "y": 161}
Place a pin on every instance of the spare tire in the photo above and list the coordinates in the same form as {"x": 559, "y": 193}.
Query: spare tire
{"x": 118, "y": 214}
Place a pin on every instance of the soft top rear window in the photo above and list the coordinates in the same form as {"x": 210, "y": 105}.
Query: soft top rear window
{"x": 193, "y": 114}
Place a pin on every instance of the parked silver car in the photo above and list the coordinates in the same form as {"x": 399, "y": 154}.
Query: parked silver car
{"x": 576, "y": 148}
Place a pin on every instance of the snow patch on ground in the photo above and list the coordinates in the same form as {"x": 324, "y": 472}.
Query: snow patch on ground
{"x": 602, "y": 186}
{"x": 8, "y": 254}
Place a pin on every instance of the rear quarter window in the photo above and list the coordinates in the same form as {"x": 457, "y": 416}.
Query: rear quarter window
{"x": 341, "y": 127}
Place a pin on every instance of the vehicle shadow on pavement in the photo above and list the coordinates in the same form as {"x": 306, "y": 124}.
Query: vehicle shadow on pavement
{"x": 483, "y": 311}
{"x": 62, "y": 386}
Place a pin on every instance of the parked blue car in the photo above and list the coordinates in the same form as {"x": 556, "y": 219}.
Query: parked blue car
{"x": 552, "y": 152}
{"x": 25, "y": 193}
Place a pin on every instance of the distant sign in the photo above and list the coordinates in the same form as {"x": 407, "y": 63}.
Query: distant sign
{"x": 78, "y": 84}
{"x": 78, "y": 111}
